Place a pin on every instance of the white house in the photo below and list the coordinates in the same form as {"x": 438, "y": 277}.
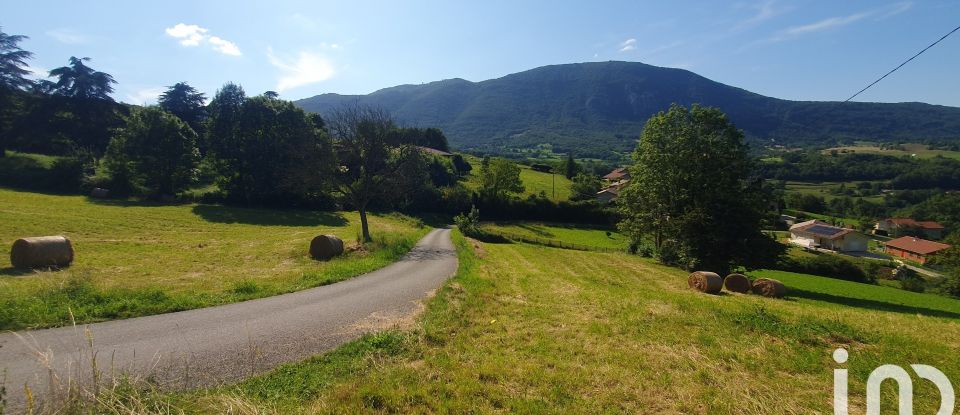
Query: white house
{"x": 817, "y": 234}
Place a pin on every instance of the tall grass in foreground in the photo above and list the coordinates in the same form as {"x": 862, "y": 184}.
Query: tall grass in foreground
{"x": 529, "y": 329}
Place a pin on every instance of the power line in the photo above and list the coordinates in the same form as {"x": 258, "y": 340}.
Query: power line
{"x": 901, "y": 65}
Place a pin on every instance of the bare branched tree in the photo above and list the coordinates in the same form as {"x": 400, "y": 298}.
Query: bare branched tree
{"x": 369, "y": 168}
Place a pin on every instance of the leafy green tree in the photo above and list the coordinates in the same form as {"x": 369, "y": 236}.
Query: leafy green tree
{"x": 584, "y": 187}
{"x": 223, "y": 120}
{"x": 276, "y": 153}
{"x": 369, "y": 168}
{"x": 948, "y": 261}
{"x": 186, "y": 103}
{"x": 499, "y": 178}
{"x": 442, "y": 171}
{"x": 693, "y": 195}
{"x": 461, "y": 166}
{"x": 156, "y": 152}
{"x": 13, "y": 78}
{"x": 425, "y": 137}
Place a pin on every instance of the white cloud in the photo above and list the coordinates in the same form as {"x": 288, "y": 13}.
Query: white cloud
{"x": 628, "y": 45}
{"x": 68, "y": 36}
{"x": 191, "y": 35}
{"x": 839, "y": 21}
{"x": 224, "y": 46}
{"x": 307, "y": 68}
{"x": 824, "y": 24}
{"x": 145, "y": 96}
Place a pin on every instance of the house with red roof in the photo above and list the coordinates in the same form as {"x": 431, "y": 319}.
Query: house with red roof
{"x": 913, "y": 248}
{"x": 618, "y": 174}
{"x": 822, "y": 235}
{"x": 897, "y": 227}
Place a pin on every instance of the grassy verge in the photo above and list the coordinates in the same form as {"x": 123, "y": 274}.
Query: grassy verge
{"x": 553, "y": 233}
{"x": 135, "y": 259}
{"x": 530, "y": 329}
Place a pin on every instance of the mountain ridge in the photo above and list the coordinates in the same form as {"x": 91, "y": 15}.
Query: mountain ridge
{"x": 598, "y": 109}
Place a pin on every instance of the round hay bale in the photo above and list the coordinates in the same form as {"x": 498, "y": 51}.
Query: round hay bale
{"x": 99, "y": 193}
{"x": 769, "y": 288}
{"x": 737, "y": 283}
{"x": 41, "y": 252}
{"x": 705, "y": 282}
{"x": 325, "y": 247}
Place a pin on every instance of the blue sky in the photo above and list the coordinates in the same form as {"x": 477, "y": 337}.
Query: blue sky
{"x": 802, "y": 50}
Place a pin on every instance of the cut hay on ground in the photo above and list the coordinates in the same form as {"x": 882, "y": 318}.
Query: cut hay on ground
{"x": 325, "y": 247}
{"x": 41, "y": 252}
{"x": 705, "y": 282}
{"x": 737, "y": 283}
{"x": 769, "y": 288}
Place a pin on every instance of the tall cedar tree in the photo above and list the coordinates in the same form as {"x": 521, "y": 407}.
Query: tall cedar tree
{"x": 87, "y": 97}
{"x": 186, "y": 103}
{"x": 693, "y": 194}
{"x": 13, "y": 78}
{"x": 369, "y": 168}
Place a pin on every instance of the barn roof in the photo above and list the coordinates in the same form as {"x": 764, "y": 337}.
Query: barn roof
{"x": 916, "y": 245}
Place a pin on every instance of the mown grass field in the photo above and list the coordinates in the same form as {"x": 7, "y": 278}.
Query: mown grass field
{"x": 912, "y": 149}
{"x": 135, "y": 259}
{"x": 580, "y": 235}
{"x": 826, "y": 190}
{"x": 531, "y": 329}
{"x": 555, "y": 186}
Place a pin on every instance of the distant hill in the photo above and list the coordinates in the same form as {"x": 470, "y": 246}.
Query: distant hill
{"x": 598, "y": 110}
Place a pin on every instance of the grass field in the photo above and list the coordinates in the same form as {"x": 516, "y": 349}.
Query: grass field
{"x": 534, "y": 181}
{"x": 134, "y": 259}
{"x": 913, "y": 150}
{"x": 580, "y": 235}
{"x": 826, "y": 190}
{"x": 530, "y": 329}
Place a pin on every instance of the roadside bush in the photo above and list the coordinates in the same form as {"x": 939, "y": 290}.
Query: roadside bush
{"x": 469, "y": 224}
{"x": 910, "y": 281}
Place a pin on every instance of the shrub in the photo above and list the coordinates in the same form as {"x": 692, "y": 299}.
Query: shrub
{"x": 469, "y": 224}
{"x": 827, "y": 265}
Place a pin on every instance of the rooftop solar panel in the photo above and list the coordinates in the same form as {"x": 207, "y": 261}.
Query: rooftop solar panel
{"x": 824, "y": 230}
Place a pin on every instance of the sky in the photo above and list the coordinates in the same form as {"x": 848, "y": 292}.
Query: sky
{"x": 798, "y": 50}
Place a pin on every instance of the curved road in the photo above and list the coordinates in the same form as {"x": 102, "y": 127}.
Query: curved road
{"x": 225, "y": 343}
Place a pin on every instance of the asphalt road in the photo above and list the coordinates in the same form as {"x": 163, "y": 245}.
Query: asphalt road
{"x": 221, "y": 344}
